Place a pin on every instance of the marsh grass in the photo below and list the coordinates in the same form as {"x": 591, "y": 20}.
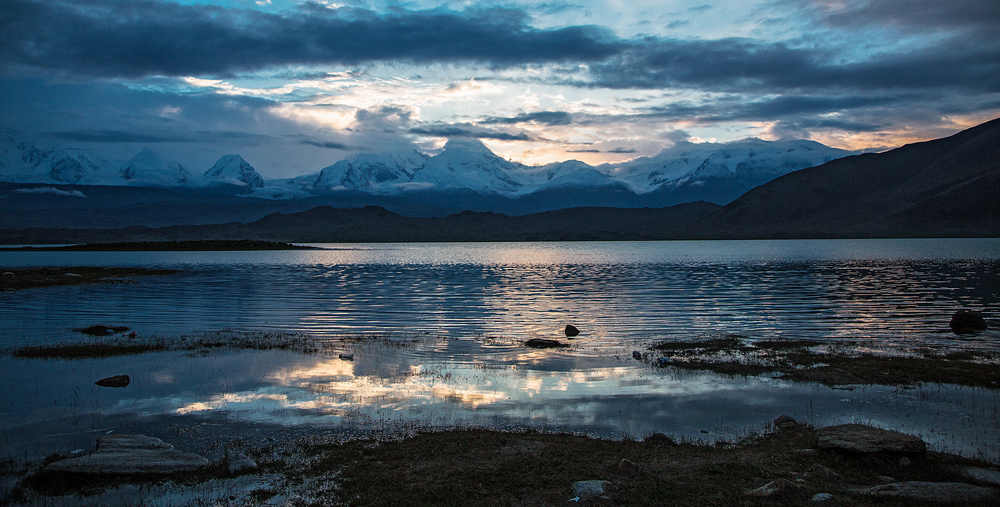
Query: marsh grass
{"x": 105, "y": 345}
{"x": 831, "y": 363}
{"x": 33, "y": 278}
{"x": 113, "y": 346}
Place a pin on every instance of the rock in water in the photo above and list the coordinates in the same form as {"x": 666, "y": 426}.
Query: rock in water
{"x": 866, "y": 439}
{"x": 934, "y": 492}
{"x": 130, "y": 455}
{"x": 571, "y": 330}
{"x": 967, "y": 321}
{"x": 542, "y": 343}
{"x": 116, "y": 381}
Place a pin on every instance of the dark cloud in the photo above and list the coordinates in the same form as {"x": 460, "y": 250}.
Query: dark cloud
{"x": 550, "y": 118}
{"x": 738, "y": 108}
{"x": 677, "y": 23}
{"x": 330, "y": 145}
{"x": 746, "y": 65}
{"x": 135, "y": 38}
{"x": 701, "y": 8}
{"x": 388, "y": 118}
{"x": 583, "y": 151}
{"x": 115, "y": 136}
{"x": 967, "y": 16}
{"x": 621, "y": 150}
{"x": 464, "y": 130}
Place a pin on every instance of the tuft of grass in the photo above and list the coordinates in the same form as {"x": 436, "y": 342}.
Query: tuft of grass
{"x": 711, "y": 346}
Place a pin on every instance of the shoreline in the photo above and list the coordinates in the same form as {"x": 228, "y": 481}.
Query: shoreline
{"x": 784, "y": 464}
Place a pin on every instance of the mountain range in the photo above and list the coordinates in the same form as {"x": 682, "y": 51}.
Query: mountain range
{"x": 947, "y": 187}
{"x": 464, "y": 169}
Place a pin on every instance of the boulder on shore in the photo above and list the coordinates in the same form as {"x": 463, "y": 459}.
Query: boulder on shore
{"x": 130, "y": 455}
{"x": 966, "y": 321}
{"x": 785, "y": 422}
{"x": 868, "y": 439}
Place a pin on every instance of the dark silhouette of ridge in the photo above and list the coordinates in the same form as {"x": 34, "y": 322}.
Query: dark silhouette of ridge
{"x": 947, "y": 187}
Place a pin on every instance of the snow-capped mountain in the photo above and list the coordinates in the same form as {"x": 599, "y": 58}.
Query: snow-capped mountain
{"x": 385, "y": 173}
{"x": 149, "y": 169}
{"x": 569, "y": 174}
{"x": 233, "y": 170}
{"x": 753, "y": 161}
{"x": 467, "y": 164}
{"x": 27, "y": 162}
{"x": 685, "y": 172}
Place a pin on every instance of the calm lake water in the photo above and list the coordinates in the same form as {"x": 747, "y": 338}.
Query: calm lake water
{"x": 469, "y": 307}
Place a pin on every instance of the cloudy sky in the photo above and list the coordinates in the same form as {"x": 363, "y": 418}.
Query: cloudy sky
{"x": 296, "y": 85}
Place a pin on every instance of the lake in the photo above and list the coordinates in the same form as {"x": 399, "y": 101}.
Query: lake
{"x": 452, "y": 319}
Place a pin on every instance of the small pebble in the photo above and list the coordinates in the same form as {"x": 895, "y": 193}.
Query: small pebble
{"x": 822, "y": 497}
{"x": 636, "y": 354}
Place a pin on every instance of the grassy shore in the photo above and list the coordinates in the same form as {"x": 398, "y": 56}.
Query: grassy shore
{"x": 172, "y": 246}
{"x": 832, "y": 363}
{"x": 33, "y": 278}
{"x": 502, "y": 468}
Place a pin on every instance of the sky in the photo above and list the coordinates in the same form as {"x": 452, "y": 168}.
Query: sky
{"x": 294, "y": 86}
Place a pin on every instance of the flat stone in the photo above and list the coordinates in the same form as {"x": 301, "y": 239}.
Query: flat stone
{"x": 823, "y": 498}
{"x": 238, "y": 462}
{"x": 867, "y": 439}
{"x": 130, "y": 455}
{"x": 126, "y": 442}
{"x": 591, "y": 489}
{"x": 984, "y": 475}
{"x": 951, "y": 492}
{"x": 773, "y": 488}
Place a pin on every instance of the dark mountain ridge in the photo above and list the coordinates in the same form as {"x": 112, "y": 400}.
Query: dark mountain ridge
{"x": 944, "y": 187}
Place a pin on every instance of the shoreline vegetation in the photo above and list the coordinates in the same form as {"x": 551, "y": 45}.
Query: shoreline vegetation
{"x": 169, "y": 246}
{"x": 784, "y": 463}
{"x": 14, "y": 279}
